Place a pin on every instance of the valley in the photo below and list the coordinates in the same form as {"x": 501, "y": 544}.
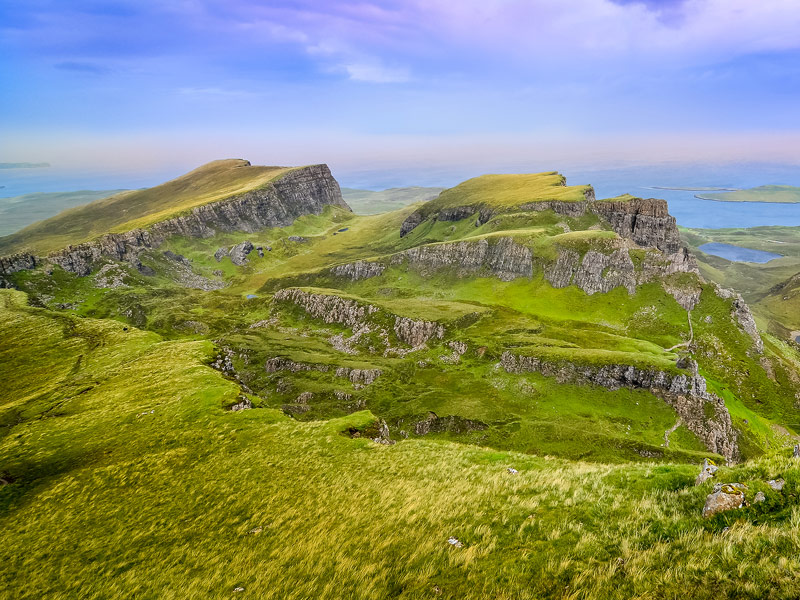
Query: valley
{"x": 513, "y": 364}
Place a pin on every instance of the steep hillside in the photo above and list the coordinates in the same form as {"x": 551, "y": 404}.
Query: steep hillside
{"x": 137, "y": 209}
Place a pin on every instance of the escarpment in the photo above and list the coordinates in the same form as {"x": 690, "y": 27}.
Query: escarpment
{"x": 301, "y": 191}
{"x": 686, "y": 393}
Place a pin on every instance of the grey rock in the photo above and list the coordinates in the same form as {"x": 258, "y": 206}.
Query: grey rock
{"x": 796, "y": 451}
{"x": 415, "y": 333}
{"x": 776, "y": 484}
{"x": 329, "y": 308}
{"x": 452, "y": 423}
{"x": 687, "y": 394}
{"x": 243, "y": 404}
{"x": 240, "y": 251}
{"x": 359, "y": 270}
{"x": 304, "y": 398}
{"x": 220, "y": 254}
{"x": 759, "y": 497}
{"x": 297, "y": 238}
{"x": 707, "y": 471}
{"x": 301, "y": 191}
{"x": 725, "y": 497}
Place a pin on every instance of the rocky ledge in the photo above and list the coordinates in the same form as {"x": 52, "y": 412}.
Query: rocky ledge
{"x": 301, "y": 191}
{"x": 702, "y": 412}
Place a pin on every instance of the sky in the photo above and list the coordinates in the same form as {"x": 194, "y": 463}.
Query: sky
{"x": 399, "y": 84}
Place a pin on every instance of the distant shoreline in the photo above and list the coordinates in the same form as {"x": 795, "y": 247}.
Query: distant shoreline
{"x": 699, "y": 197}
{"x": 43, "y": 165}
{"x": 693, "y": 189}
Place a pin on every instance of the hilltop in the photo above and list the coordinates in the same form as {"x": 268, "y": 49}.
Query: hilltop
{"x": 139, "y": 208}
{"x": 505, "y": 391}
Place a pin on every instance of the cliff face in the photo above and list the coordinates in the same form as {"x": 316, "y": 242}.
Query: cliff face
{"x": 646, "y": 222}
{"x": 687, "y": 394}
{"x": 299, "y": 192}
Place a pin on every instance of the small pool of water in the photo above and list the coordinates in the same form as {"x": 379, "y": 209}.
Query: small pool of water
{"x": 251, "y": 296}
{"x": 737, "y": 253}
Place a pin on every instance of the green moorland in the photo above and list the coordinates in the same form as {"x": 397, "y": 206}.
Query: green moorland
{"x": 125, "y": 474}
{"x": 126, "y": 478}
{"x": 368, "y": 202}
{"x": 763, "y": 193}
{"x": 139, "y": 208}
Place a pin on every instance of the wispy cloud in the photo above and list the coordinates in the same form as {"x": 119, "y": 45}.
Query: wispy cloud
{"x": 82, "y": 67}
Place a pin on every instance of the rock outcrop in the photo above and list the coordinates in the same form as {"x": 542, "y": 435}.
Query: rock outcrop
{"x": 358, "y": 270}
{"x": 327, "y": 307}
{"x": 645, "y": 221}
{"x": 727, "y": 496}
{"x": 239, "y": 252}
{"x": 301, "y": 191}
{"x": 686, "y": 393}
{"x": 415, "y": 333}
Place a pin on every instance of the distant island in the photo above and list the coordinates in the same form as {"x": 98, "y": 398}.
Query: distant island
{"x": 24, "y": 165}
{"x": 693, "y": 189}
{"x": 783, "y": 194}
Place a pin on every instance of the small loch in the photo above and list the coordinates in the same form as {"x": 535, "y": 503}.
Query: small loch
{"x": 738, "y": 253}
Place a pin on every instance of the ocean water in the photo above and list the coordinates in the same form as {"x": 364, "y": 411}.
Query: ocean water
{"x": 738, "y": 253}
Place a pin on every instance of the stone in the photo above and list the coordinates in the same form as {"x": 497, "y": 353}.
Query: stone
{"x": 304, "y": 397}
{"x": 512, "y": 470}
{"x": 796, "y": 451}
{"x": 776, "y": 484}
{"x": 302, "y": 191}
{"x": 243, "y": 404}
{"x": 454, "y": 541}
{"x": 297, "y": 238}
{"x": 707, "y": 471}
{"x": 760, "y": 497}
{"x": 728, "y": 496}
{"x": 240, "y": 251}
{"x": 220, "y": 254}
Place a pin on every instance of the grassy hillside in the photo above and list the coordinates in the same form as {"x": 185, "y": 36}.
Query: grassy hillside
{"x": 764, "y": 193}
{"x": 125, "y": 474}
{"x": 132, "y": 209}
{"x": 145, "y": 487}
{"x": 508, "y": 191}
{"x": 367, "y": 202}
{"x": 20, "y": 211}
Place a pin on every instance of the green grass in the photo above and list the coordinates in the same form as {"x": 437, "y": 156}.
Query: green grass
{"x": 111, "y": 500}
{"x": 133, "y": 209}
{"x": 763, "y": 193}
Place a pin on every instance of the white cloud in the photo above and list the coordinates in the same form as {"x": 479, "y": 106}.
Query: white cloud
{"x": 376, "y": 73}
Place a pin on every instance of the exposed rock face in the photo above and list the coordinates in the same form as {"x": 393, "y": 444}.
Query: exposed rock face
{"x": 504, "y": 259}
{"x": 299, "y": 192}
{"x": 646, "y": 222}
{"x": 359, "y": 270}
{"x": 220, "y": 254}
{"x": 452, "y": 423}
{"x": 243, "y": 404}
{"x": 278, "y": 363}
{"x": 329, "y": 308}
{"x": 359, "y": 377}
{"x": 415, "y": 333}
{"x": 485, "y": 213}
{"x": 598, "y": 272}
{"x": 240, "y": 251}
{"x": 741, "y": 312}
{"x": 727, "y": 496}
{"x": 687, "y": 394}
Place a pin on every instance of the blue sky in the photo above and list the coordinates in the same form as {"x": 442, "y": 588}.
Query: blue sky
{"x": 374, "y": 84}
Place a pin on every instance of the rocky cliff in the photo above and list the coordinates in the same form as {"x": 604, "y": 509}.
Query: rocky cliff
{"x": 703, "y": 413}
{"x": 301, "y": 191}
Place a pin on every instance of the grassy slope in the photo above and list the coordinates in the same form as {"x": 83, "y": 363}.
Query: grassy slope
{"x": 367, "y": 202}
{"x": 764, "y": 193}
{"x": 20, "y": 211}
{"x": 508, "y": 191}
{"x": 190, "y": 501}
{"x": 129, "y": 210}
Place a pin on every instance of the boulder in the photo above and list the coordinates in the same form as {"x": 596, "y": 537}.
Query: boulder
{"x": 707, "y": 471}
{"x": 776, "y": 484}
{"x": 760, "y": 497}
{"x": 728, "y": 496}
{"x": 240, "y": 251}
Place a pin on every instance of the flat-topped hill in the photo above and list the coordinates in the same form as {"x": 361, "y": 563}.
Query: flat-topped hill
{"x": 784, "y": 194}
{"x": 492, "y": 194}
{"x": 135, "y": 209}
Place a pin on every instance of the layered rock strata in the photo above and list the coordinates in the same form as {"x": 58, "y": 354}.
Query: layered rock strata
{"x": 686, "y": 393}
{"x": 302, "y": 191}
